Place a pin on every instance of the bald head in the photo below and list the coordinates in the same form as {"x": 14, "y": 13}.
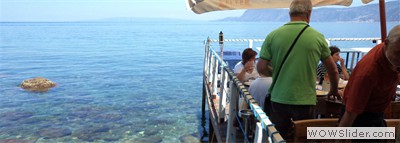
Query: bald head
{"x": 300, "y": 8}
{"x": 392, "y": 47}
{"x": 394, "y": 34}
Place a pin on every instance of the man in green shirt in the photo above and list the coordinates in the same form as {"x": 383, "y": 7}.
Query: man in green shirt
{"x": 293, "y": 95}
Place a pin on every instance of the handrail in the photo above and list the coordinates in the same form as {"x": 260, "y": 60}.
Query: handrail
{"x": 212, "y": 64}
{"x": 352, "y": 55}
{"x": 330, "y": 39}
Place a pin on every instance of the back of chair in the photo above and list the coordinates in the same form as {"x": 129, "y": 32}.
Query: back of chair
{"x": 300, "y": 126}
{"x": 393, "y": 123}
{"x": 395, "y": 107}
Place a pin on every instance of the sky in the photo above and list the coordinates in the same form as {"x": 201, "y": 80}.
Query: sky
{"x": 78, "y": 10}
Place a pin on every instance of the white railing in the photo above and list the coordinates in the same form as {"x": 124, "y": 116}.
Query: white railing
{"x": 353, "y": 55}
{"x": 230, "y": 94}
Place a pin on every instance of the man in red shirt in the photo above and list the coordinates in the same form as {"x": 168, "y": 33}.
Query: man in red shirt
{"x": 372, "y": 84}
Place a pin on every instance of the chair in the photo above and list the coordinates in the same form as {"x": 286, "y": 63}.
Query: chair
{"x": 393, "y": 123}
{"x": 393, "y": 110}
{"x": 300, "y": 127}
{"x": 395, "y": 107}
{"x": 333, "y": 109}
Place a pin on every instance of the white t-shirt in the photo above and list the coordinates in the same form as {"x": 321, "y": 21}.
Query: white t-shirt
{"x": 259, "y": 89}
{"x": 239, "y": 67}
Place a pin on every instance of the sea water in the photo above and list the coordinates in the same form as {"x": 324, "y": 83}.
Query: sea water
{"x": 135, "y": 81}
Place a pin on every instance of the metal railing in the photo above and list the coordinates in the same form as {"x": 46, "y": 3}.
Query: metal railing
{"x": 352, "y": 55}
{"x": 228, "y": 89}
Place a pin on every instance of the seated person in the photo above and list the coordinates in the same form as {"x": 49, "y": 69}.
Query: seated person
{"x": 259, "y": 89}
{"x": 245, "y": 69}
{"x": 343, "y": 74}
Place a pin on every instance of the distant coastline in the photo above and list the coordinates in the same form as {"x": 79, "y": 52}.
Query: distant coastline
{"x": 367, "y": 13}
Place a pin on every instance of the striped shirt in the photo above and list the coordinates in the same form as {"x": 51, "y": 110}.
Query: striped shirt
{"x": 321, "y": 70}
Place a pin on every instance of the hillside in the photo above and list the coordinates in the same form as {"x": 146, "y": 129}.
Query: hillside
{"x": 366, "y": 13}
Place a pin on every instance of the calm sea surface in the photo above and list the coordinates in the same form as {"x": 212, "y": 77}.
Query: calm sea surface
{"x": 138, "y": 81}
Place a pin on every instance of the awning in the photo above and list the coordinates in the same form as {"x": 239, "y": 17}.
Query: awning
{"x": 203, "y": 6}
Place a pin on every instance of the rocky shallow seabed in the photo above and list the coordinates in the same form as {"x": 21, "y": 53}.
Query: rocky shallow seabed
{"x": 105, "y": 127}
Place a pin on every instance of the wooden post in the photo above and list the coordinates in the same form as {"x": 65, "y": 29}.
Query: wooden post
{"x": 382, "y": 13}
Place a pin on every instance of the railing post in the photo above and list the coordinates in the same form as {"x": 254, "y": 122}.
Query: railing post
{"x": 210, "y": 58}
{"x": 259, "y": 133}
{"x": 347, "y": 59}
{"x": 352, "y": 60}
{"x": 250, "y": 43}
{"x": 204, "y": 97}
{"x": 232, "y": 112}
{"x": 212, "y": 64}
{"x": 206, "y": 56}
{"x": 222, "y": 101}
{"x": 215, "y": 76}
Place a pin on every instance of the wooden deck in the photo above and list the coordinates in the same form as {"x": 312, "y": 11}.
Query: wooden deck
{"x": 217, "y": 131}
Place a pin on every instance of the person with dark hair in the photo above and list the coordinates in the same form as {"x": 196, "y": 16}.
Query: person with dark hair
{"x": 294, "y": 51}
{"x": 372, "y": 85}
{"x": 244, "y": 70}
{"x": 335, "y": 53}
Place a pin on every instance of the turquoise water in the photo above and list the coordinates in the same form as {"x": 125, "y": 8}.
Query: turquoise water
{"x": 117, "y": 82}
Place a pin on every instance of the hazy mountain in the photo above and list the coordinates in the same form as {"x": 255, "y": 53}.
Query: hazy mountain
{"x": 137, "y": 19}
{"x": 366, "y": 13}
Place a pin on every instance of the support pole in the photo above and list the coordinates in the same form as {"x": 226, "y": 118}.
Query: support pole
{"x": 221, "y": 45}
{"x": 382, "y": 13}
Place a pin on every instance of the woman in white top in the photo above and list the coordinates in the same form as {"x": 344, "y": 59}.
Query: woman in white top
{"x": 245, "y": 69}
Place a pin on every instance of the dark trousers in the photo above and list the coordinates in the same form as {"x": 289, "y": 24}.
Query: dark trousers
{"x": 267, "y": 105}
{"x": 367, "y": 119}
{"x": 282, "y": 116}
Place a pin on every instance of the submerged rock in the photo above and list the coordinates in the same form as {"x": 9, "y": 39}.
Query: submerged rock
{"x": 148, "y": 139}
{"x": 15, "y": 141}
{"x": 92, "y": 133}
{"x": 190, "y": 138}
{"x": 16, "y": 115}
{"x": 37, "y": 84}
{"x": 50, "y": 133}
{"x": 107, "y": 117}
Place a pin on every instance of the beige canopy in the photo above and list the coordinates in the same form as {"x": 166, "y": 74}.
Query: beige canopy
{"x": 203, "y": 6}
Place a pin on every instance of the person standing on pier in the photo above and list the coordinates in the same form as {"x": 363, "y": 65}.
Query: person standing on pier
{"x": 372, "y": 85}
{"x": 293, "y": 95}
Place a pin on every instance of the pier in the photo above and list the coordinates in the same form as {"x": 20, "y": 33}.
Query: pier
{"x": 222, "y": 92}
